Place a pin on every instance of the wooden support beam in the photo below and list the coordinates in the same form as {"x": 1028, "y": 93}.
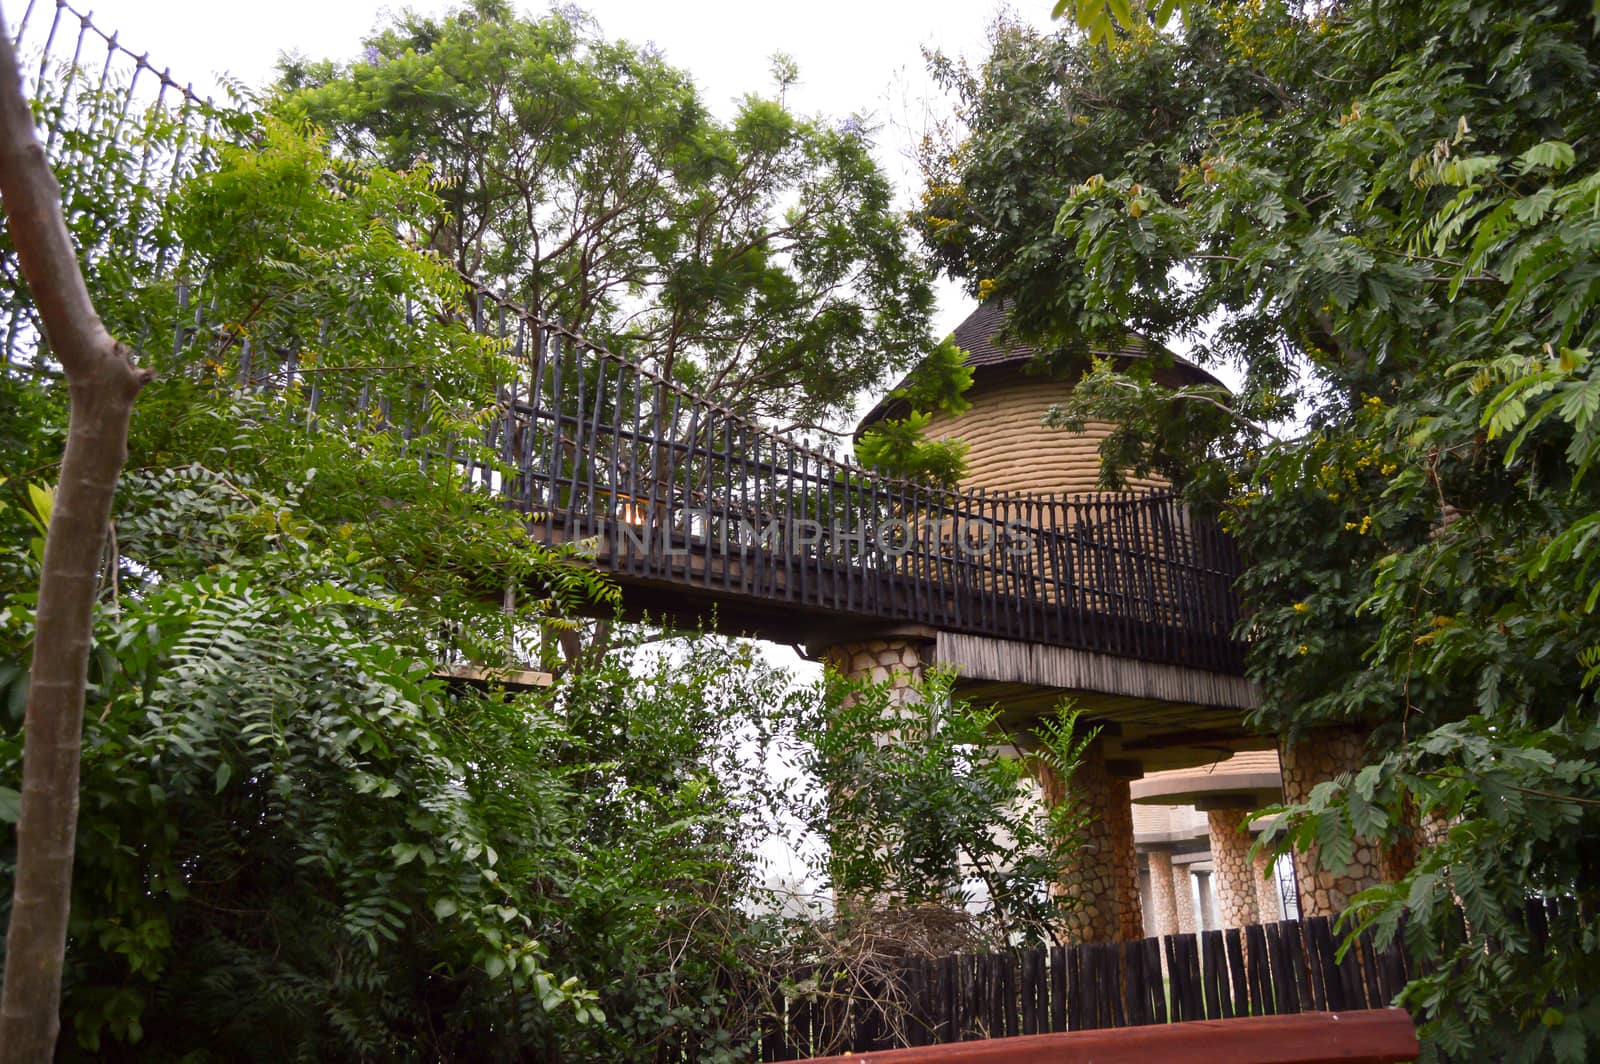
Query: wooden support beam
{"x": 1189, "y": 737}
{"x": 1376, "y": 1036}
{"x": 508, "y": 679}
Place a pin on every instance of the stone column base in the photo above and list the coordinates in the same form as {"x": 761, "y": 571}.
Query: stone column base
{"x": 1319, "y": 757}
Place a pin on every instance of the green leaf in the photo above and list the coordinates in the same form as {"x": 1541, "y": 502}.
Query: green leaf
{"x": 1552, "y": 155}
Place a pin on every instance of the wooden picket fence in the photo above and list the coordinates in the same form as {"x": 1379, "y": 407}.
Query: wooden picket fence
{"x": 1259, "y": 970}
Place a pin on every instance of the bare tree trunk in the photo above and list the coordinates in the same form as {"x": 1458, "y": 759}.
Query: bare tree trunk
{"x": 102, "y": 383}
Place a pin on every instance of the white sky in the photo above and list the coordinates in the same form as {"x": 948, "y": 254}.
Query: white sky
{"x": 862, "y": 57}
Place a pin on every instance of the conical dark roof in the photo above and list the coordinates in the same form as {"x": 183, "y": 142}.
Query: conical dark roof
{"x": 978, "y": 337}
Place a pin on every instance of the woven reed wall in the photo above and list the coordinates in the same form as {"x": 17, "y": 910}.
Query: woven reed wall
{"x": 1011, "y": 451}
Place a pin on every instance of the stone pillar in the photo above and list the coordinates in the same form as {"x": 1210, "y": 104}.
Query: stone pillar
{"x": 1268, "y": 901}
{"x": 1124, "y": 858}
{"x": 1234, "y": 882}
{"x": 895, "y": 661}
{"x": 1319, "y": 757}
{"x": 1163, "y": 896}
{"x": 1104, "y": 879}
{"x": 1183, "y": 898}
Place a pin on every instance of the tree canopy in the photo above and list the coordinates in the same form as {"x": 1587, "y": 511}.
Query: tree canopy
{"x": 757, "y": 259}
{"x": 1383, "y": 213}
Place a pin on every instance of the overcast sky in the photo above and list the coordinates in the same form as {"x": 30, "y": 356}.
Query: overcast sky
{"x": 862, "y": 57}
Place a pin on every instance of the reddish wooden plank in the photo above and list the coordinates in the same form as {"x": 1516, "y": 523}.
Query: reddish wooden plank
{"x": 1376, "y": 1036}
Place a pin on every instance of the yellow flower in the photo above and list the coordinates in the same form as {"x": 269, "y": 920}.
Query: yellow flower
{"x": 1301, "y": 607}
{"x": 1302, "y": 649}
{"x": 1388, "y": 468}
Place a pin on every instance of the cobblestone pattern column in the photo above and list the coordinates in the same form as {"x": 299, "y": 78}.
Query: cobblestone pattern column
{"x": 1103, "y": 881}
{"x": 1124, "y": 860}
{"x": 1163, "y": 898}
{"x": 1321, "y": 756}
{"x": 1269, "y": 903}
{"x": 1230, "y": 854}
{"x": 1183, "y": 898}
{"x": 895, "y": 661}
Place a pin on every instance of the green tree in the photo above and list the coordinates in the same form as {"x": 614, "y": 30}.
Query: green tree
{"x": 920, "y": 806}
{"x": 297, "y": 840}
{"x": 757, "y": 260}
{"x": 899, "y": 446}
{"x": 1382, "y": 212}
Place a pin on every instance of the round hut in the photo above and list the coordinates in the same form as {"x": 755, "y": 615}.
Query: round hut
{"x": 1009, "y": 449}
{"x": 1012, "y": 454}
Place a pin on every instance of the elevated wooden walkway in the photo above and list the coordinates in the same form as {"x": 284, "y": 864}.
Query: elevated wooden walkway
{"x": 690, "y": 505}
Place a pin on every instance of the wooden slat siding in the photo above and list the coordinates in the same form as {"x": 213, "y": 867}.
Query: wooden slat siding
{"x": 1030, "y": 1014}
{"x": 529, "y": 446}
{"x": 1294, "y": 942}
{"x": 1058, "y": 988}
{"x": 520, "y": 416}
{"x": 1089, "y": 987}
{"x": 933, "y": 1008}
{"x": 1372, "y": 1037}
{"x": 1136, "y": 984}
{"x": 1371, "y": 977}
{"x": 1075, "y": 992}
{"x": 988, "y": 1019}
{"x": 596, "y": 447}
{"x": 1041, "y": 988}
{"x": 1194, "y": 987}
{"x": 686, "y": 495}
{"x": 612, "y": 520}
{"x": 1263, "y": 1000}
{"x": 1106, "y": 991}
{"x": 950, "y": 999}
{"x": 1158, "y": 989}
{"x": 582, "y": 449}
{"x": 800, "y": 485}
{"x": 1099, "y": 988}
{"x": 993, "y": 1000}
{"x": 1241, "y": 987}
{"x": 1116, "y": 984}
{"x": 1319, "y": 957}
{"x": 1283, "y": 938}
{"x": 800, "y": 1009}
{"x": 671, "y": 499}
{"x": 638, "y": 465}
{"x": 1075, "y": 669}
{"x": 967, "y": 997}
{"x": 557, "y": 359}
{"x": 1214, "y": 965}
{"x": 1350, "y": 977}
{"x": 726, "y": 529}
{"x": 1009, "y": 1000}
{"x": 1174, "y": 978}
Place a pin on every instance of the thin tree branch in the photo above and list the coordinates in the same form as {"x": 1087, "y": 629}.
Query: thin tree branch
{"x": 102, "y": 383}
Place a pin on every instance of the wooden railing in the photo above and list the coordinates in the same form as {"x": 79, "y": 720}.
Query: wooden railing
{"x": 670, "y": 488}
{"x": 673, "y": 487}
